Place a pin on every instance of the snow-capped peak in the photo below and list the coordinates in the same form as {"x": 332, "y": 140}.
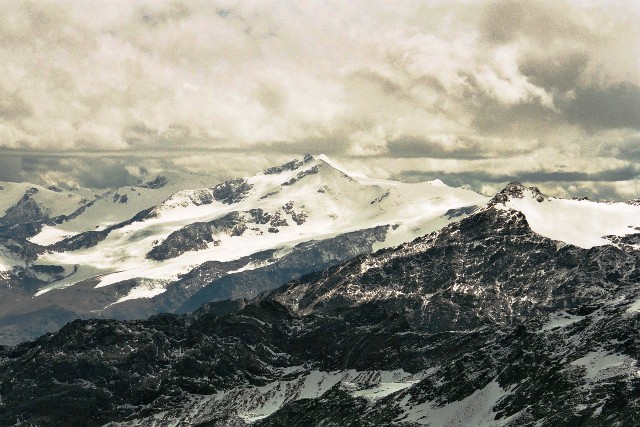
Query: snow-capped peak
{"x": 309, "y": 198}
{"x": 582, "y": 223}
{"x": 515, "y": 190}
{"x": 356, "y": 175}
{"x": 437, "y": 183}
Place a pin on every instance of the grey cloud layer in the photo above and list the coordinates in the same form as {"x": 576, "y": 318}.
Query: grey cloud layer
{"x": 458, "y": 80}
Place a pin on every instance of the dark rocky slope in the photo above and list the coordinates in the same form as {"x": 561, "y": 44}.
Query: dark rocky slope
{"x": 481, "y": 323}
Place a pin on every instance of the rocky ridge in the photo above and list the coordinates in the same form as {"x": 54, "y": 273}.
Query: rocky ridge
{"x": 483, "y": 322}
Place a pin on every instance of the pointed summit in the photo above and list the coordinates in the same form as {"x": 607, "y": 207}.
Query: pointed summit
{"x": 324, "y": 158}
{"x": 515, "y": 190}
{"x": 437, "y": 183}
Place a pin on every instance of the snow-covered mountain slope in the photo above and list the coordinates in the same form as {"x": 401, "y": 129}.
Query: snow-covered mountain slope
{"x": 175, "y": 242}
{"x": 306, "y": 199}
{"x": 52, "y": 202}
{"x": 582, "y": 223}
{"x": 118, "y": 205}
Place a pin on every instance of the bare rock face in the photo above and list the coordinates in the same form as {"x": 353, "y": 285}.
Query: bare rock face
{"x": 200, "y": 235}
{"x": 231, "y": 192}
{"x": 302, "y": 259}
{"x": 302, "y": 174}
{"x": 481, "y": 323}
{"x": 289, "y": 166}
{"x": 158, "y": 182}
{"x": 517, "y": 191}
{"x": 24, "y": 219}
{"x": 191, "y": 237}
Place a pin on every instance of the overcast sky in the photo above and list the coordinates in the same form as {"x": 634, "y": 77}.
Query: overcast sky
{"x": 476, "y": 93}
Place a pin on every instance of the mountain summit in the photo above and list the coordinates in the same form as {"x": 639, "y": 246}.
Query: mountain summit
{"x": 582, "y": 223}
{"x": 119, "y": 256}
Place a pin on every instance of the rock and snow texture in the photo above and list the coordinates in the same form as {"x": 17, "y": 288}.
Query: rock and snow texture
{"x": 308, "y": 199}
{"x": 483, "y": 322}
{"x": 53, "y": 202}
{"x": 115, "y": 206}
{"x": 176, "y": 241}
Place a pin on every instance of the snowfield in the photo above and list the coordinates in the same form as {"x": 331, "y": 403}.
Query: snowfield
{"x": 318, "y": 200}
{"x": 582, "y": 223}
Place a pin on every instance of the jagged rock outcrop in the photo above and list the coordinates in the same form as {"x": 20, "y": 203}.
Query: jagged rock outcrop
{"x": 232, "y": 191}
{"x": 517, "y": 190}
{"x": 89, "y": 239}
{"x": 289, "y": 166}
{"x": 199, "y": 235}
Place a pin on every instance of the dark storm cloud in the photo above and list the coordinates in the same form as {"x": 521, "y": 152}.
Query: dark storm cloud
{"x": 463, "y": 147}
{"x": 11, "y": 168}
{"x": 564, "y": 51}
{"x": 139, "y": 135}
{"x": 557, "y": 70}
{"x": 628, "y": 151}
{"x": 625, "y": 173}
{"x": 596, "y": 108}
{"x": 109, "y": 174}
{"x": 88, "y": 172}
{"x": 526, "y": 119}
{"x": 611, "y": 184}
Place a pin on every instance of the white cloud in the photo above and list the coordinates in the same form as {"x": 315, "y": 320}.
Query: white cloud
{"x": 473, "y": 79}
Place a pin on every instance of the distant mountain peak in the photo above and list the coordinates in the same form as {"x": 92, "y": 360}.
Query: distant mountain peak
{"x": 438, "y": 183}
{"x": 335, "y": 165}
{"x": 516, "y": 190}
{"x": 582, "y": 223}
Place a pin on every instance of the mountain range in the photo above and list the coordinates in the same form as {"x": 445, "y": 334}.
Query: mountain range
{"x": 311, "y": 296}
{"x": 172, "y": 243}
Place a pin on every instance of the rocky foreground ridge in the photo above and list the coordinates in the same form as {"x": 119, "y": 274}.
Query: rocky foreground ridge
{"x": 484, "y": 322}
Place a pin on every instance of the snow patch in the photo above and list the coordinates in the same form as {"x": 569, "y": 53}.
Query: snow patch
{"x": 382, "y": 390}
{"x": 634, "y": 307}
{"x": 50, "y": 235}
{"x": 339, "y": 167}
{"x": 474, "y": 410}
{"x": 255, "y": 403}
{"x": 437, "y": 183}
{"x": 560, "y": 320}
{"x": 600, "y": 364}
{"x": 145, "y": 288}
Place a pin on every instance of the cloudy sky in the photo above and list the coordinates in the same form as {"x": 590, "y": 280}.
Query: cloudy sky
{"x": 475, "y": 93}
